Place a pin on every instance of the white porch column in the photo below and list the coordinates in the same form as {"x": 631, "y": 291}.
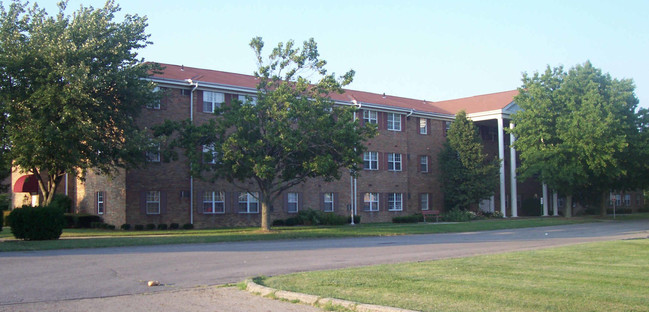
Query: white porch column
{"x": 545, "y": 200}
{"x": 501, "y": 155}
{"x": 512, "y": 172}
{"x": 555, "y": 203}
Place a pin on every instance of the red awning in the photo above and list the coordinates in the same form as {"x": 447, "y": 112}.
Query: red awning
{"x": 26, "y": 184}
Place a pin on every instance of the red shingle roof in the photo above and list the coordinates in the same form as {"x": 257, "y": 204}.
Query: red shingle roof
{"x": 472, "y": 104}
{"x": 479, "y": 103}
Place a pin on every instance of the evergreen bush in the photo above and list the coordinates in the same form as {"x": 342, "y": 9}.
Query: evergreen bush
{"x": 139, "y": 227}
{"x": 162, "y": 226}
{"x": 36, "y": 223}
{"x": 188, "y": 226}
{"x": 150, "y": 226}
{"x": 174, "y": 226}
{"x": 125, "y": 227}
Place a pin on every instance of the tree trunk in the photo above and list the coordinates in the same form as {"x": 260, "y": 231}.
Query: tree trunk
{"x": 265, "y": 212}
{"x": 47, "y": 188}
{"x": 604, "y": 203}
{"x": 568, "y": 210}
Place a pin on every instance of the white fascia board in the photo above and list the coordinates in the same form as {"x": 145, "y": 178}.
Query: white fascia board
{"x": 488, "y": 115}
{"x": 399, "y": 110}
{"x": 203, "y": 85}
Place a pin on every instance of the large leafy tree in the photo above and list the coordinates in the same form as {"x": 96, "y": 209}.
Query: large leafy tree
{"x": 467, "y": 173}
{"x": 580, "y": 131}
{"x": 292, "y": 132}
{"x": 70, "y": 87}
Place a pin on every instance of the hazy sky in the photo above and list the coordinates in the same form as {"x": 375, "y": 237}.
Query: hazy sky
{"x": 432, "y": 50}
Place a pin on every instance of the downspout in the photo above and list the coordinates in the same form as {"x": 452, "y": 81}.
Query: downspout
{"x": 191, "y": 177}
{"x": 412, "y": 110}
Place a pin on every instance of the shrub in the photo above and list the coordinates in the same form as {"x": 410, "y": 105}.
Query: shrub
{"x": 414, "y": 218}
{"x": 330, "y": 218}
{"x": 278, "y": 222}
{"x": 139, "y": 227}
{"x": 96, "y": 225}
{"x": 497, "y": 214}
{"x": 457, "y": 215}
{"x": 125, "y": 227}
{"x": 174, "y": 226}
{"x": 150, "y": 226}
{"x": 36, "y": 223}
{"x": 162, "y": 226}
{"x": 110, "y": 226}
{"x": 188, "y": 226}
{"x": 62, "y": 202}
{"x": 292, "y": 221}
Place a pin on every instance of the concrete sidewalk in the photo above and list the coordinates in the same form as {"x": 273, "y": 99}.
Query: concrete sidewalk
{"x": 205, "y": 299}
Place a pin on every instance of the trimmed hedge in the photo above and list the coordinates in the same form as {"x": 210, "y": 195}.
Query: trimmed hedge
{"x": 414, "y": 218}
{"x": 316, "y": 217}
{"x": 36, "y": 223}
{"x": 174, "y": 226}
{"x": 162, "y": 226}
{"x": 188, "y": 226}
{"x": 80, "y": 221}
{"x": 125, "y": 227}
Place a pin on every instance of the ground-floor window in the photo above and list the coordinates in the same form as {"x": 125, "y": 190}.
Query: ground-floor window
{"x": 423, "y": 201}
{"x": 248, "y": 202}
{"x": 213, "y": 202}
{"x": 371, "y": 202}
{"x": 292, "y": 200}
{"x": 100, "y": 203}
{"x": 153, "y": 202}
{"x": 395, "y": 202}
{"x": 328, "y": 202}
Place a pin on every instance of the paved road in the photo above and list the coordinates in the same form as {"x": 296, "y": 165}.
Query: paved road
{"x": 46, "y": 276}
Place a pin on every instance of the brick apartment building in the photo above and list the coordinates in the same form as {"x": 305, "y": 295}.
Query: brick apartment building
{"x": 400, "y": 176}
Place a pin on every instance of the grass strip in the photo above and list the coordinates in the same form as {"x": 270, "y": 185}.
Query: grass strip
{"x": 96, "y": 238}
{"x": 606, "y": 276}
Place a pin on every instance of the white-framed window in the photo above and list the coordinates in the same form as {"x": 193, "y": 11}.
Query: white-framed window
{"x": 212, "y": 100}
{"x": 248, "y": 202}
{"x": 153, "y": 154}
{"x": 213, "y": 202}
{"x": 423, "y": 163}
{"x": 423, "y": 126}
{"x": 100, "y": 203}
{"x": 370, "y": 116}
{"x": 371, "y": 161}
{"x": 153, "y": 202}
{"x": 292, "y": 200}
{"x": 394, "y": 162}
{"x": 395, "y": 202}
{"x": 371, "y": 202}
{"x": 328, "y": 202}
{"x": 244, "y": 99}
{"x": 618, "y": 200}
{"x": 394, "y": 122}
{"x": 156, "y": 103}
{"x": 209, "y": 154}
{"x": 423, "y": 201}
{"x": 627, "y": 200}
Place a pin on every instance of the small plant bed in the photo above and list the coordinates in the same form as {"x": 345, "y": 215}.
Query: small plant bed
{"x": 606, "y": 276}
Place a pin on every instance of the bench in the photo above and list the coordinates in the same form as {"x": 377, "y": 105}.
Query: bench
{"x": 435, "y": 213}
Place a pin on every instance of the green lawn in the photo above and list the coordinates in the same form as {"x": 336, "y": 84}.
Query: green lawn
{"x": 607, "y": 276}
{"x": 91, "y": 238}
